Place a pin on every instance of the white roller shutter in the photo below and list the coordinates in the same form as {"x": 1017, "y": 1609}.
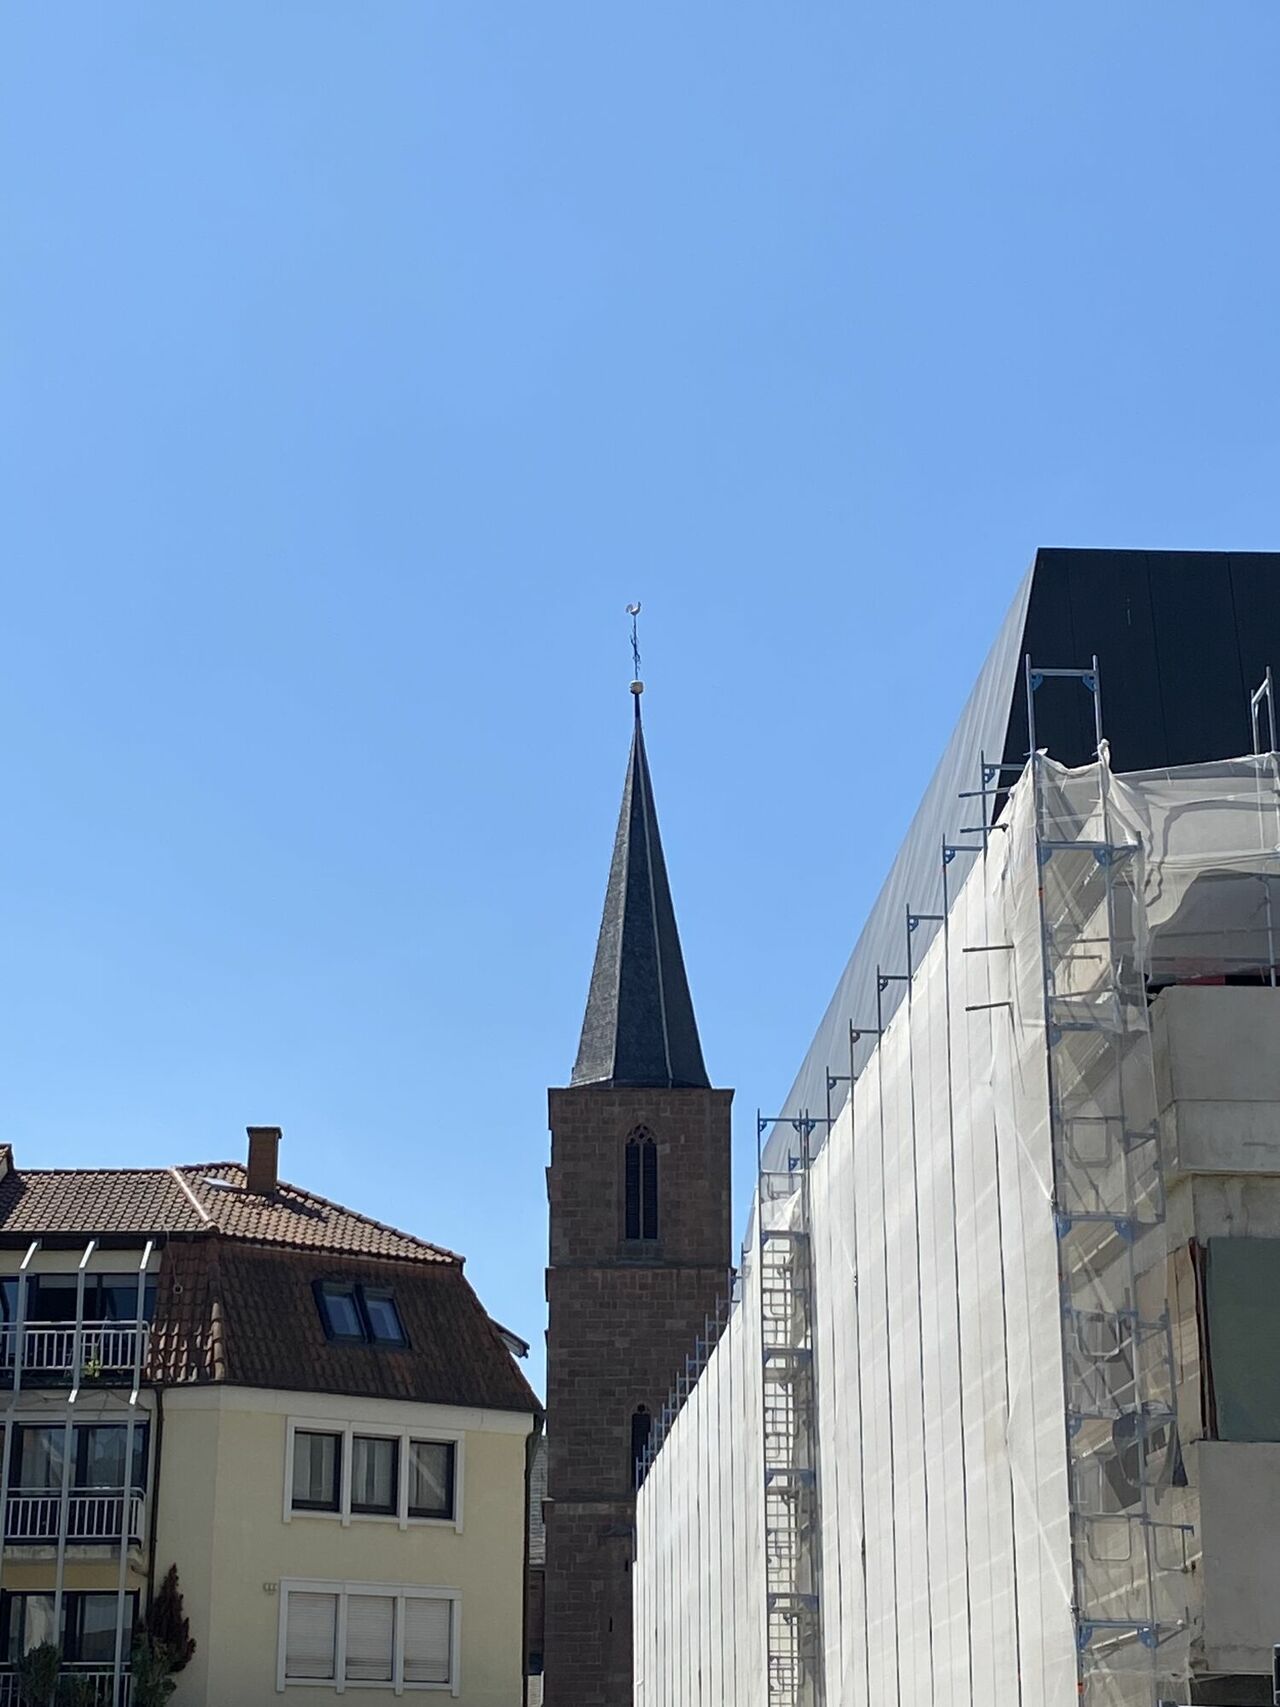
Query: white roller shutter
{"x": 371, "y": 1633}
{"x": 428, "y": 1627}
{"x": 311, "y": 1635}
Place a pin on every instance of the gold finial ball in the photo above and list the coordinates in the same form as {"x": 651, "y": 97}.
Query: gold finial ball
{"x": 637, "y": 688}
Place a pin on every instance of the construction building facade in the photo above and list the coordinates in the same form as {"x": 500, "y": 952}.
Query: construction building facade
{"x": 995, "y": 1416}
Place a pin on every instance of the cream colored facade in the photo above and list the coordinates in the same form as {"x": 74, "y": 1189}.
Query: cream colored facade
{"x": 223, "y": 1518}
{"x": 212, "y": 1494}
{"x": 113, "y": 1568}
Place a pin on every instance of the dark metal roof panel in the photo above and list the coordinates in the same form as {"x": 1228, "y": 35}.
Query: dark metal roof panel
{"x": 1181, "y": 639}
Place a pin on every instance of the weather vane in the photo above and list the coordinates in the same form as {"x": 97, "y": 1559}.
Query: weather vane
{"x": 637, "y": 686}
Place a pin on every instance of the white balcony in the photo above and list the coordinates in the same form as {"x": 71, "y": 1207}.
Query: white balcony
{"x": 94, "y": 1516}
{"x": 96, "y": 1687}
{"x": 108, "y": 1352}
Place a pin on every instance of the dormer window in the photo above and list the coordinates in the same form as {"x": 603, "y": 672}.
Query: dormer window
{"x": 359, "y": 1315}
{"x": 385, "y": 1326}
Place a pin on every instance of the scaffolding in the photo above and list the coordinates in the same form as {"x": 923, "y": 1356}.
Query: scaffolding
{"x": 789, "y": 1453}
{"x": 1130, "y": 1554}
{"x": 945, "y": 1407}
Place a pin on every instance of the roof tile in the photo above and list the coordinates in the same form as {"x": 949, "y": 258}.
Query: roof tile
{"x": 191, "y": 1199}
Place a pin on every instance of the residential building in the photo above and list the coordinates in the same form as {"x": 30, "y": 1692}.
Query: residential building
{"x": 638, "y": 1188}
{"x": 996, "y": 1417}
{"x": 307, "y": 1412}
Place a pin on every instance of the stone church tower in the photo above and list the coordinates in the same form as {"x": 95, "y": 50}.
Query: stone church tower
{"x": 640, "y": 1250}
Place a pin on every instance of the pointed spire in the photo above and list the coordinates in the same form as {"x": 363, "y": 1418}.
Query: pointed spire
{"x": 639, "y": 1027}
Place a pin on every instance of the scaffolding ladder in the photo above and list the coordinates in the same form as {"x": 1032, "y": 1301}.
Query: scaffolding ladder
{"x": 788, "y": 1420}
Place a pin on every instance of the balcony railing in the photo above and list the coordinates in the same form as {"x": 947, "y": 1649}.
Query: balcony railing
{"x": 109, "y": 1351}
{"x": 85, "y": 1685}
{"x": 93, "y": 1515}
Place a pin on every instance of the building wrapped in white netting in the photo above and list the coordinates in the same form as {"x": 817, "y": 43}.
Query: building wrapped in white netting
{"x": 994, "y": 1418}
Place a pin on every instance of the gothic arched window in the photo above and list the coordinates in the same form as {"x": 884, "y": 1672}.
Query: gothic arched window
{"x": 641, "y": 1426}
{"x": 641, "y": 1186}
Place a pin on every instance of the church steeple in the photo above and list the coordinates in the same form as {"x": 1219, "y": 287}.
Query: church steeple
{"x": 639, "y": 1028}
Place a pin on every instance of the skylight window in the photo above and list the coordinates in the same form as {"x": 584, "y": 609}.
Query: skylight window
{"x": 359, "y": 1315}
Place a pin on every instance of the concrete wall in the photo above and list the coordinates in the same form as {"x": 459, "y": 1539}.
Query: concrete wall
{"x": 1239, "y": 1489}
{"x": 1217, "y": 1060}
{"x": 1217, "y": 1054}
{"x": 222, "y": 1520}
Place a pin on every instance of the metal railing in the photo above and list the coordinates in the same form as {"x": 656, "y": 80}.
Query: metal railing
{"x": 108, "y": 1351}
{"x": 32, "y": 1516}
{"x": 85, "y": 1685}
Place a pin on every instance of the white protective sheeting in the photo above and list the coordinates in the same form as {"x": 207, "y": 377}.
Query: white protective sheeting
{"x": 936, "y": 1330}
{"x": 990, "y": 1293}
{"x": 698, "y": 1590}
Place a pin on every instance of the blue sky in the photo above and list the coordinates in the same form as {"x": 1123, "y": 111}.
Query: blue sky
{"x": 360, "y": 362}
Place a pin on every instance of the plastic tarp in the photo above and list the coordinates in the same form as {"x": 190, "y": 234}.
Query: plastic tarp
{"x": 945, "y": 1553}
{"x": 995, "y": 1308}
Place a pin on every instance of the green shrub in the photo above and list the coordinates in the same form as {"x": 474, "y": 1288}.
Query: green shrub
{"x": 38, "y": 1674}
{"x": 167, "y": 1624}
{"x": 151, "y": 1664}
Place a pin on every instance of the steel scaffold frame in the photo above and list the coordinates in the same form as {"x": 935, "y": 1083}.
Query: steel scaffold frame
{"x": 1109, "y": 1211}
{"x": 793, "y": 1630}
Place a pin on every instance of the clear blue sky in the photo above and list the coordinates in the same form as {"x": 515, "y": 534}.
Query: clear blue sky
{"x": 361, "y": 361}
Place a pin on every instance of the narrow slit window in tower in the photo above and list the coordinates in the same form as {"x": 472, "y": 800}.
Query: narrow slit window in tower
{"x": 641, "y": 1186}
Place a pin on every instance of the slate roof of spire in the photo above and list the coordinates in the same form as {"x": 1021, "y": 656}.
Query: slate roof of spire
{"x": 639, "y": 1027}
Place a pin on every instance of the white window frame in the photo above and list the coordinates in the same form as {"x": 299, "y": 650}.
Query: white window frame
{"x": 400, "y": 1592}
{"x": 401, "y": 1516}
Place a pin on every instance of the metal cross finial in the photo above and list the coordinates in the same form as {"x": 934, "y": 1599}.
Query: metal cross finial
{"x": 637, "y": 686}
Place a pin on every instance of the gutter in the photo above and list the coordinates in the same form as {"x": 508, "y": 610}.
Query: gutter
{"x": 155, "y": 1498}
{"x": 530, "y": 1449}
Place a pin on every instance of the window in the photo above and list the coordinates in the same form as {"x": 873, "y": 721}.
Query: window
{"x": 341, "y": 1313}
{"x": 91, "y": 1628}
{"x": 431, "y": 1478}
{"x": 641, "y": 1426}
{"x": 317, "y": 1470}
{"x": 35, "y": 1461}
{"x": 359, "y": 1315}
{"x": 382, "y": 1316}
{"x": 371, "y": 1638}
{"x": 100, "y": 1450}
{"x": 107, "y": 1298}
{"x": 311, "y": 1636}
{"x": 641, "y": 1215}
{"x": 97, "y": 1462}
{"x": 345, "y": 1633}
{"x": 374, "y": 1476}
{"x": 88, "y": 1625}
{"x": 104, "y": 1492}
{"x": 344, "y": 1470}
{"x": 428, "y": 1630}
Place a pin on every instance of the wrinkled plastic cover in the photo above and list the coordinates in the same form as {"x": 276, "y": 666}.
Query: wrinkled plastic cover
{"x": 971, "y": 1291}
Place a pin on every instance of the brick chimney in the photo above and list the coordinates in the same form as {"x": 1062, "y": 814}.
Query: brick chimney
{"x": 263, "y": 1172}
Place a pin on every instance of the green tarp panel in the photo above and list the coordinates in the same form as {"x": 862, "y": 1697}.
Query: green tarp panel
{"x": 1243, "y": 1286}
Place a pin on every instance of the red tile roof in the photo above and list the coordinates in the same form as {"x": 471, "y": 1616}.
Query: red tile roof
{"x": 235, "y": 1299}
{"x": 193, "y": 1198}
